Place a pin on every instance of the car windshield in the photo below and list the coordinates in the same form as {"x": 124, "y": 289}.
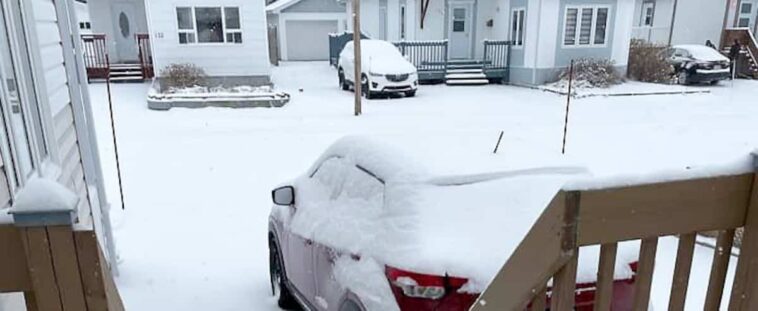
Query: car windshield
{"x": 380, "y": 49}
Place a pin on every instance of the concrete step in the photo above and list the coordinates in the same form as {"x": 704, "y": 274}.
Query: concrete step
{"x": 464, "y": 66}
{"x": 457, "y": 71}
{"x": 125, "y": 66}
{"x": 465, "y": 76}
{"x": 470, "y": 82}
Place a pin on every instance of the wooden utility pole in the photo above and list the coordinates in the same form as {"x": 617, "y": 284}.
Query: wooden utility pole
{"x": 357, "y": 77}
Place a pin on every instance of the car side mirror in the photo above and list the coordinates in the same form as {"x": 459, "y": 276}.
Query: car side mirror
{"x": 284, "y": 196}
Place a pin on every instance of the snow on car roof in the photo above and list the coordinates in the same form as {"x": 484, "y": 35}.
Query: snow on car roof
{"x": 702, "y": 52}
{"x": 449, "y": 210}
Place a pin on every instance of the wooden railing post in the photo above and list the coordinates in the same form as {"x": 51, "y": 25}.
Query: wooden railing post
{"x": 745, "y": 287}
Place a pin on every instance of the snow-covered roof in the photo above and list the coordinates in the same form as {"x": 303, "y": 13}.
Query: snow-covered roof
{"x": 280, "y": 5}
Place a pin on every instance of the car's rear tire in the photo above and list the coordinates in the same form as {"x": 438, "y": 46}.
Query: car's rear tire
{"x": 285, "y": 299}
{"x": 683, "y": 78}
{"x": 410, "y": 93}
{"x": 343, "y": 82}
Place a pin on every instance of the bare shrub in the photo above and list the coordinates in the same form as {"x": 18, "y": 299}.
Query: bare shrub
{"x": 647, "y": 62}
{"x": 591, "y": 73}
{"x": 177, "y": 76}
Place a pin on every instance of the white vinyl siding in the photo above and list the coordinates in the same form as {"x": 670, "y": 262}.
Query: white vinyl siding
{"x": 586, "y": 26}
{"x": 518, "y": 17}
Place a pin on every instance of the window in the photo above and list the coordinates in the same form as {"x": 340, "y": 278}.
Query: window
{"x": 459, "y": 20}
{"x": 746, "y": 8}
{"x": 648, "y": 11}
{"x": 209, "y": 25}
{"x": 517, "y": 27}
{"x": 744, "y": 22}
{"x": 586, "y": 26}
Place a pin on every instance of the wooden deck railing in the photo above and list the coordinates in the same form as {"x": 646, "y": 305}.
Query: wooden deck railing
{"x": 606, "y": 217}
{"x": 749, "y": 44}
{"x": 145, "y": 55}
{"x": 95, "y": 56}
{"x": 429, "y": 57}
{"x": 497, "y": 59}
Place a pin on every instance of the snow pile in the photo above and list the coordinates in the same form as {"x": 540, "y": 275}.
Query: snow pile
{"x": 220, "y": 90}
{"x": 44, "y": 195}
{"x": 381, "y": 57}
{"x": 365, "y": 278}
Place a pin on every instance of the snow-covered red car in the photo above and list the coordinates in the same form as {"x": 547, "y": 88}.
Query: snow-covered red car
{"x": 369, "y": 228}
{"x": 383, "y": 69}
{"x": 697, "y": 64}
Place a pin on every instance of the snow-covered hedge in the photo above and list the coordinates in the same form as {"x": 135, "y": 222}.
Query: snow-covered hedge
{"x": 590, "y": 73}
{"x": 647, "y": 63}
{"x": 181, "y": 76}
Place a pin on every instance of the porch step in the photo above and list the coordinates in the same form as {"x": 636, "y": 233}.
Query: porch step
{"x": 464, "y": 66}
{"x": 125, "y": 66}
{"x": 463, "y": 71}
{"x": 127, "y": 79}
{"x": 468, "y": 82}
{"x": 465, "y": 76}
{"x": 126, "y": 73}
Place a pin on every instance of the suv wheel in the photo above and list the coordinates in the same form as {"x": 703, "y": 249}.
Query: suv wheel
{"x": 343, "y": 83}
{"x": 683, "y": 77}
{"x": 285, "y": 300}
{"x": 365, "y": 88}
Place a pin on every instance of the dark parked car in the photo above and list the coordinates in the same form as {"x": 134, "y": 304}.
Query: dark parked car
{"x": 698, "y": 64}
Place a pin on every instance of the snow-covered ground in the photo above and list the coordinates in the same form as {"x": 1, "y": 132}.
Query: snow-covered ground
{"x": 197, "y": 182}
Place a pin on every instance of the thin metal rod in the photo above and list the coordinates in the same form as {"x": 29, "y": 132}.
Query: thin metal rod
{"x": 498, "y": 142}
{"x": 113, "y": 130}
{"x": 568, "y": 105}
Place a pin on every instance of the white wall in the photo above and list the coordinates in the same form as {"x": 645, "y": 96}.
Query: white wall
{"x": 247, "y": 59}
{"x": 622, "y": 32}
{"x": 698, "y": 20}
{"x": 101, "y": 15}
{"x": 82, "y": 16}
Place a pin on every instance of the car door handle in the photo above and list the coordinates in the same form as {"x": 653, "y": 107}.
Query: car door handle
{"x": 308, "y": 242}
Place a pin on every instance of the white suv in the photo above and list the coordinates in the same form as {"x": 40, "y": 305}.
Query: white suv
{"x": 383, "y": 69}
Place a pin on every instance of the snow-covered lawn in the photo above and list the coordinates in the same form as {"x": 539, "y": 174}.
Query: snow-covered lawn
{"x": 197, "y": 182}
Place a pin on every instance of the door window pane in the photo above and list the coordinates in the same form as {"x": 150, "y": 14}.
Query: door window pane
{"x": 209, "y": 25}
{"x": 459, "y": 20}
{"x": 232, "y": 18}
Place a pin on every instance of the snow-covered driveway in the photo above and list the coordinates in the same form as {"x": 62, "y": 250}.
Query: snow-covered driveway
{"x": 197, "y": 182}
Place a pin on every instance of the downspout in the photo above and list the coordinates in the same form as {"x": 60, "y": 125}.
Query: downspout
{"x": 673, "y": 20}
{"x": 537, "y": 40}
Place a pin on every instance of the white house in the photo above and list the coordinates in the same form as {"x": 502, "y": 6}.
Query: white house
{"x": 302, "y": 27}
{"x": 119, "y": 21}
{"x": 546, "y": 34}
{"x": 692, "y": 21}
{"x": 227, "y": 38}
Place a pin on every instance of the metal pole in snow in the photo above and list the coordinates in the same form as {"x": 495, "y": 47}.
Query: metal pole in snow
{"x": 497, "y": 146}
{"x": 113, "y": 131}
{"x": 357, "y": 77}
{"x": 568, "y": 104}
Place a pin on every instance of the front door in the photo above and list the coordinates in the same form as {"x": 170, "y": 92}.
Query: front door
{"x": 125, "y": 25}
{"x": 747, "y": 13}
{"x": 460, "y": 29}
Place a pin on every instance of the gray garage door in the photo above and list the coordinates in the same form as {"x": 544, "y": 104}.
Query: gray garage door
{"x": 308, "y": 40}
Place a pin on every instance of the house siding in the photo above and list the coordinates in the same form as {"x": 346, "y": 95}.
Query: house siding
{"x": 56, "y": 90}
{"x": 316, "y": 6}
{"x": 248, "y": 61}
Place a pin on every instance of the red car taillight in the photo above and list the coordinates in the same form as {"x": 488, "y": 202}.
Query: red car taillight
{"x": 416, "y": 285}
